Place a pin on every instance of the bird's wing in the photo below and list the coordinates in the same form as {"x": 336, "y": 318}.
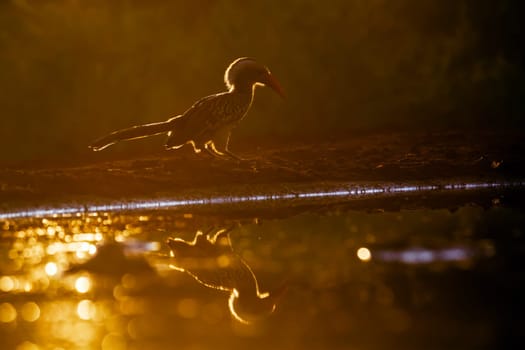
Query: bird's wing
{"x": 198, "y": 122}
{"x": 207, "y": 115}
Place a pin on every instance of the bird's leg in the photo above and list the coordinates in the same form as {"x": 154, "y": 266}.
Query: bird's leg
{"x": 211, "y": 150}
{"x": 195, "y": 148}
{"x": 220, "y": 145}
{"x": 234, "y": 156}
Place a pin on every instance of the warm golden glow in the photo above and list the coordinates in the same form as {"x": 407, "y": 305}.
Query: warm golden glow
{"x": 86, "y": 309}
{"x": 7, "y": 313}
{"x": 52, "y": 249}
{"x": 30, "y": 312}
{"x": 51, "y": 269}
{"x": 223, "y": 261}
{"x": 87, "y": 237}
{"x": 28, "y": 286}
{"x": 27, "y": 346}
{"x": 129, "y": 281}
{"x": 47, "y": 301}
{"x": 81, "y": 249}
{"x": 113, "y": 341}
{"x": 84, "y": 248}
{"x": 364, "y": 254}
{"x": 132, "y": 306}
{"x": 7, "y": 284}
{"x": 132, "y": 328}
{"x": 188, "y": 308}
{"x": 83, "y": 284}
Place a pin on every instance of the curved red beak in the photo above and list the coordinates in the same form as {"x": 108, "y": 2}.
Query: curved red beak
{"x": 269, "y": 80}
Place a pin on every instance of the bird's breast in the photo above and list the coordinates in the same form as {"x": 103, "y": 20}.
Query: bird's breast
{"x": 236, "y": 107}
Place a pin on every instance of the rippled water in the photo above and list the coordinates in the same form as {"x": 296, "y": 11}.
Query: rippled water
{"x": 330, "y": 277}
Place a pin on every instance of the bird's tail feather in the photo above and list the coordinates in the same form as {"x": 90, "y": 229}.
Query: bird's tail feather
{"x": 135, "y": 132}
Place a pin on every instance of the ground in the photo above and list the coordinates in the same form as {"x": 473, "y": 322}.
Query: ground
{"x": 377, "y": 157}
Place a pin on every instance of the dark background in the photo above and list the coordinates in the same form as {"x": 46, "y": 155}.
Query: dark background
{"x": 71, "y": 71}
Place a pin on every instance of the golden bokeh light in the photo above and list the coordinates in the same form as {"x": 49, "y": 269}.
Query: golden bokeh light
{"x": 92, "y": 250}
{"x": 51, "y": 269}
{"x": 7, "y": 284}
{"x": 83, "y": 284}
{"x": 132, "y": 328}
{"x": 53, "y": 248}
{"x": 7, "y": 313}
{"x": 84, "y": 248}
{"x": 364, "y": 254}
{"x": 30, "y": 312}
{"x": 129, "y": 281}
{"x": 87, "y": 237}
{"x": 86, "y": 309}
{"x": 28, "y": 286}
{"x": 132, "y": 306}
{"x": 82, "y": 334}
{"x": 113, "y": 341}
{"x": 223, "y": 261}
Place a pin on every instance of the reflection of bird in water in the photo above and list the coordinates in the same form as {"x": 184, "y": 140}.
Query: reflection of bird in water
{"x": 212, "y": 262}
{"x": 208, "y": 123}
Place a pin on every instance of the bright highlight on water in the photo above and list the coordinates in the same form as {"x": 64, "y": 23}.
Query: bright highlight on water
{"x": 338, "y": 192}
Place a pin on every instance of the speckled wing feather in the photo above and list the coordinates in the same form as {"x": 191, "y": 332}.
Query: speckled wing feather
{"x": 209, "y": 115}
{"x": 192, "y": 121}
{"x": 206, "y": 116}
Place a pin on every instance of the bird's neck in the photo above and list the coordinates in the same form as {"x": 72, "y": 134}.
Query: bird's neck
{"x": 244, "y": 96}
{"x": 246, "y": 89}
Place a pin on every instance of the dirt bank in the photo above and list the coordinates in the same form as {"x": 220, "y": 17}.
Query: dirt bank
{"x": 487, "y": 155}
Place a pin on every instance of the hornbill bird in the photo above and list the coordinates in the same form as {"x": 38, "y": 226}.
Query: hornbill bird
{"x": 210, "y": 260}
{"x": 209, "y": 122}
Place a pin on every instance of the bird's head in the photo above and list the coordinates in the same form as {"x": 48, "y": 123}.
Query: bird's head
{"x": 245, "y": 73}
{"x": 249, "y": 308}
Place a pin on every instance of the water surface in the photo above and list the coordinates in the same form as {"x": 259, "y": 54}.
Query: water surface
{"x": 320, "y": 277}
